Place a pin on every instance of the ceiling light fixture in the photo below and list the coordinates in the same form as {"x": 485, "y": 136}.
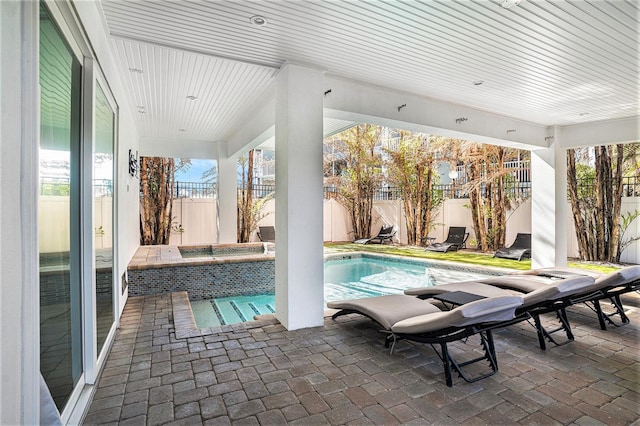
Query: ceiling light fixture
{"x": 510, "y": 3}
{"x": 258, "y": 20}
{"x": 478, "y": 83}
{"x": 192, "y": 98}
{"x": 135, "y": 70}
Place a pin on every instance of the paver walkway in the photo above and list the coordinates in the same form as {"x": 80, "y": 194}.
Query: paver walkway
{"x": 342, "y": 374}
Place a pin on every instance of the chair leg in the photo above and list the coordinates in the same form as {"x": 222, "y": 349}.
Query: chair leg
{"x": 446, "y": 358}
{"x": 543, "y": 333}
{"x": 604, "y": 317}
{"x": 489, "y": 355}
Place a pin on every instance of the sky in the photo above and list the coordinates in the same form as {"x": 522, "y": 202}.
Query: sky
{"x": 195, "y": 171}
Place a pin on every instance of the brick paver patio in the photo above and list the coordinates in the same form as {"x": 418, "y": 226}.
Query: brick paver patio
{"x": 259, "y": 373}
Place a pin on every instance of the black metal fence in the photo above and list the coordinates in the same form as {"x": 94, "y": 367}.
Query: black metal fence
{"x": 512, "y": 190}
{"x": 195, "y": 190}
{"x": 104, "y": 187}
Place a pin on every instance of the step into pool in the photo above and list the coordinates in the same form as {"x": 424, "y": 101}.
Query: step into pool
{"x": 231, "y": 310}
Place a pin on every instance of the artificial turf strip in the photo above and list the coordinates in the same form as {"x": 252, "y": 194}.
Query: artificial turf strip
{"x": 474, "y": 258}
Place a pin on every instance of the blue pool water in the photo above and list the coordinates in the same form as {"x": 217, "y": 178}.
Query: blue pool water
{"x": 352, "y": 278}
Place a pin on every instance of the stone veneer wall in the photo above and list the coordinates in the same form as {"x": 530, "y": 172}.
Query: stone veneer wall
{"x": 205, "y": 281}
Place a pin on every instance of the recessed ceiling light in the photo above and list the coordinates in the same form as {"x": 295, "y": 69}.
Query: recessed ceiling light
{"x": 510, "y": 3}
{"x": 136, "y": 70}
{"x": 192, "y": 98}
{"x": 478, "y": 83}
{"x": 258, "y": 20}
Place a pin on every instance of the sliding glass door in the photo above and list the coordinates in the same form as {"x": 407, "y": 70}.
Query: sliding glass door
{"x": 61, "y": 346}
{"x": 103, "y": 172}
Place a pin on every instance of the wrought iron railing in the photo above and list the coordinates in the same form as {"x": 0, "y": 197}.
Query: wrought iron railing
{"x": 195, "y": 190}
{"x": 55, "y": 186}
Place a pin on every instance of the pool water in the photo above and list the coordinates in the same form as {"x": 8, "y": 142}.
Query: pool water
{"x": 231, "y": 310}
{"x": 344, "y": 279}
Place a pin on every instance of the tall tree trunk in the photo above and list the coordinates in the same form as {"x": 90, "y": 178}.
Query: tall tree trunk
{"x": 245, "y": 205}
{"x": 576, "y": 207}
{"x": 614, "y": 251}
{"x": 597, "y": 214}
{"x": 156, "y": 180}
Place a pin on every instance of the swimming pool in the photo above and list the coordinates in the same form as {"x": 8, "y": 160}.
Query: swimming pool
{"x": 352, "y": 277}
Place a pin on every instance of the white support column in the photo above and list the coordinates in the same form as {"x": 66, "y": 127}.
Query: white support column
{"x": 227, "y": 197}
{"x": 299, "y": 250}
{"x": 549, "y": 205}
{"x": 19, "y": 279}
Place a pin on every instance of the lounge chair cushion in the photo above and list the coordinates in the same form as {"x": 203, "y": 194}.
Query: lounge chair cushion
{"x": 387, "y": 310}
{"x": 558, "y": 290}
{"x": 473, "y": 287}
{"x": 560, "y": 272}
{"x": 617, "y": 278}
{"x": 523, "y": 283}
{"x": 491, "y": 309}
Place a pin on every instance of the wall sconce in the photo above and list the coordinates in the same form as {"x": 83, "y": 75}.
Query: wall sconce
{"x": 133, "y": 164}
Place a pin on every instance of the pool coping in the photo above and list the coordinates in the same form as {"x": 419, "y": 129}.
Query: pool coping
{"x": 168, "y": 256}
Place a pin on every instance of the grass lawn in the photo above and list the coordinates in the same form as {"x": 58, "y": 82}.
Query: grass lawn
{"x": 470, "y": 257}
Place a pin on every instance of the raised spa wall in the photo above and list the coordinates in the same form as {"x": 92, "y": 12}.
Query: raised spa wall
{"x": 223, "y": 273}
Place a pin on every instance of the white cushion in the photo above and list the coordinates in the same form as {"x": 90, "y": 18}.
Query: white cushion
{"x": 491, "y": 309}
{"x": 387, "y": 310}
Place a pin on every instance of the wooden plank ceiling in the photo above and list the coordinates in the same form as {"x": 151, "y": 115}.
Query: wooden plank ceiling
{"x": 551, "y": 63}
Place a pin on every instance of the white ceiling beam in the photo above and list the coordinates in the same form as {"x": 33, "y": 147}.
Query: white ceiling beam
{"x": 622, "y": 130}
{"x": 258, "y": 129}
{"x": 178, "y": 148}
{"x": 356, "y": 101}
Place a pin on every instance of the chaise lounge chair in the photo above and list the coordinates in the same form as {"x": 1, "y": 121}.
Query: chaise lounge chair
{"x": 605, "y": 287}
{"x": 456, "y": 239}
{"x": 267, "y": 234}
{"x": 406, "y": 317}
{"x": 385, "y": 235}
{"x": 521, "y": 248}
{"x": 548, "y": 295}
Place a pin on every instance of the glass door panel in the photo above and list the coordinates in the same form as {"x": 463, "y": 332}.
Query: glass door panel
{"x": 103, "y": 214}
{"x": 59, "y": 213}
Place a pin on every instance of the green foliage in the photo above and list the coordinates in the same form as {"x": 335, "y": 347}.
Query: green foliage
{"x": 586, "y": 176}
